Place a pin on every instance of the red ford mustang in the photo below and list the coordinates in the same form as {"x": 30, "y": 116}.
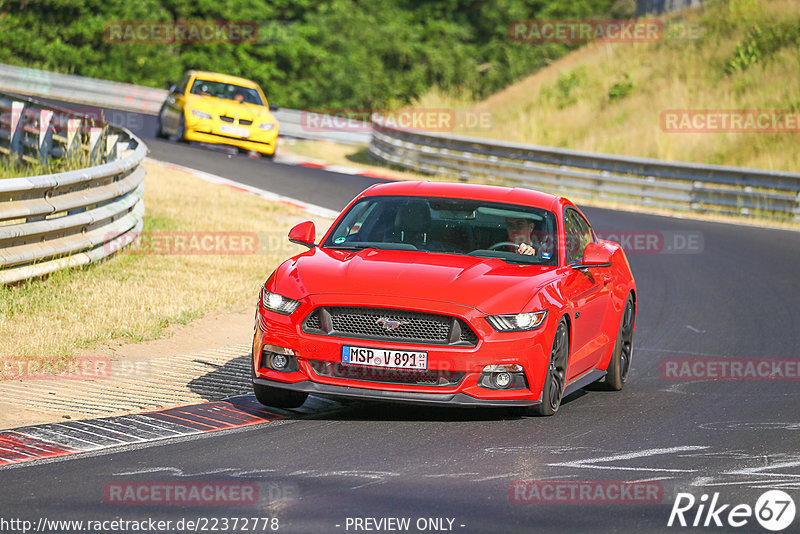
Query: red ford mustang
{"x": 447, "y": 294}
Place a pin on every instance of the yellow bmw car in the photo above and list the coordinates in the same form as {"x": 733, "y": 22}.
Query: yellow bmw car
{"x": 216, "y": 108}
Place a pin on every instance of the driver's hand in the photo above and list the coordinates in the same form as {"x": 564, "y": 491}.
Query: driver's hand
{"x": 525, "y": 248}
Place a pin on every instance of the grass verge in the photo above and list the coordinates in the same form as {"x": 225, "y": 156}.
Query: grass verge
{"x": 610, "y": 97}
{"x": 133, "y": 296}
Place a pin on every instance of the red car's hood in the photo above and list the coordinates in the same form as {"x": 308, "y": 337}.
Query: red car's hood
{"x": 490, "y": 285}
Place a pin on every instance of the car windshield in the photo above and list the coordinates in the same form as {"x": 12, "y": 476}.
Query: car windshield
{"x": 450, "y": 226}
{"x": 228, "y": 91}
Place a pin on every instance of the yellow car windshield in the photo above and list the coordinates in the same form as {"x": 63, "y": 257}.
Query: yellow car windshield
{"x": 227, "y": 91}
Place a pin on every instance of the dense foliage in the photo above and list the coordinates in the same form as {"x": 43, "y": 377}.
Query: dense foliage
{"x": 309, "y": 54}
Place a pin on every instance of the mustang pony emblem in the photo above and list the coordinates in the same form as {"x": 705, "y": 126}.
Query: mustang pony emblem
{"x": 390, "y": 324}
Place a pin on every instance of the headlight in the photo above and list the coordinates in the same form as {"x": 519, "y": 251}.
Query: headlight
{"x": 267, "y": 126}
{"x": 277, "y": 303}
{"x": 517, "y": 322}
{"x": 201, "y": 114}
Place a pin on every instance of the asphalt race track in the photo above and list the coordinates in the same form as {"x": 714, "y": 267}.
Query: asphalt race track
{"x": 731, "y": 293}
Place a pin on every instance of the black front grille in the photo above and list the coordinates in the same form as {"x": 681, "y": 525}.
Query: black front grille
{"x": 384, "y": 375}
{"x": 243, "y": 122}
{"x": 390, "y": 325}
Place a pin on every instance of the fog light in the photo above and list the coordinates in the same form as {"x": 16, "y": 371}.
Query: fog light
{"x": 278, "y": 359}
{"x": 279, "y": 362}
{"x": 508, "y": 376}
{"x": 503, "y": 380}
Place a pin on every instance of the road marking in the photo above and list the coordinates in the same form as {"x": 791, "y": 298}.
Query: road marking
{"x": 591, "y": 463}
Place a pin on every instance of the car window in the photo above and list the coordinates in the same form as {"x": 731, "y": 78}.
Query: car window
{"x": 577, "y": 234}
{"x": 448, "y": 225}
{"x": 227, "y": 91}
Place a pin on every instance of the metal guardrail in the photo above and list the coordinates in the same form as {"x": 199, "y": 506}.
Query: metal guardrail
{"x": 74, "y": 88}
{"x": 640, "y": 181}
{"x": 303, "y": 125}
{"x": 148, "y": 100}
{"x": 71, "y": 218}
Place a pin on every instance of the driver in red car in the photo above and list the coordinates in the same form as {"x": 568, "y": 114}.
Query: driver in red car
{"x": 519, "y": 232}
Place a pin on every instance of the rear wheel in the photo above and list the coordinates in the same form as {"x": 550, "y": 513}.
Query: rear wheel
{"x": 553, "y": 389}
{"x": 620, "y": 365}
{"x": 277, "y": 397}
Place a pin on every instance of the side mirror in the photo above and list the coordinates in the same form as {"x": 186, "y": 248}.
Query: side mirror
{"x": 594, "y": 255}
{"x": 303, "y": 234}
{"x": 273, "y": 108}
{"x": 172, "y": 88}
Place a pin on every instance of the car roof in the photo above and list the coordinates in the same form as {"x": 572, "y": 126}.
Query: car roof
{"x": 224, "y": 78}
{"x": 490, "y": 193}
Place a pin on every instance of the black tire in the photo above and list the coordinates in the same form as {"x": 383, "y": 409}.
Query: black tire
{"x": 180, "y": 136}
{"x": 555, "y": 380}
{"x": 620, "y": 365}
{"x": 160, "y": 131}
{"x": 279, "y": 398}
{"x": 276, "y": 397}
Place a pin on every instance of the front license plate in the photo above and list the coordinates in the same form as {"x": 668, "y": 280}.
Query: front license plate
{"x": 398, "y": 359}
{"x": 233, "y": 130}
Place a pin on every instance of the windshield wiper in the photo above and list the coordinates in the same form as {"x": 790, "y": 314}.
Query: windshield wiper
{"x": 375, "y": 245}
{"x": 350, "y": 247}
{"x": 522, "y": 259}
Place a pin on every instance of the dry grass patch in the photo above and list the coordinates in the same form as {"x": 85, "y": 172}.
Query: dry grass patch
{"x": 134, "y": 296}
{"x": 609, "y": 97}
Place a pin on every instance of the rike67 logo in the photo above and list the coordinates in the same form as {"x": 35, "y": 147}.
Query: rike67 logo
{"x": 774, "y": 510}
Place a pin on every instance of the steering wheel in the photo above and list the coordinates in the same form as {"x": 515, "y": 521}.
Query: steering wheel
{"x": 502, "y": 244}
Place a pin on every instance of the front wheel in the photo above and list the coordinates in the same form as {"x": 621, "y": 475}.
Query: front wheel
{"x": 180, "y": 136}
{"x": 276, "y": 397}
{"x": 620, "y": 365}
{"x": 160, "y": 130}
{"x": 279, "y": 398}
{"x": 554, "y": 382}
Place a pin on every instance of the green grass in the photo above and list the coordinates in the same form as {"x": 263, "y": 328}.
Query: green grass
{"x": 133, "y": 297}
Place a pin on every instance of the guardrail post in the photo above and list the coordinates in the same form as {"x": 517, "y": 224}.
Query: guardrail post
{"x": 95, "y": 145}
{"x": 17, "y": 129}
{"x": 45, "y": 135}
{"x": 797, "y": 208}
{"x": 73, "y": 140}
{"x": 111, "y": 147}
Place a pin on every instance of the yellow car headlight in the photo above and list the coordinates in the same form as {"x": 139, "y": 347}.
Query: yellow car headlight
{"x": 201, "y": 114}
{"x": 267, "y": 126}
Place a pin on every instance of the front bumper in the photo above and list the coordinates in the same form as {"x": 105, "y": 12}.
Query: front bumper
{"x": 432, "y": 399}
{"x": 530, "y": 349}
{"x": 209, "y": 131}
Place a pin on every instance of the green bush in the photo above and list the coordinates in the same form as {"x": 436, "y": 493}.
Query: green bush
{"x": 759, "y": 44}
{"x": 621, "y": 89}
